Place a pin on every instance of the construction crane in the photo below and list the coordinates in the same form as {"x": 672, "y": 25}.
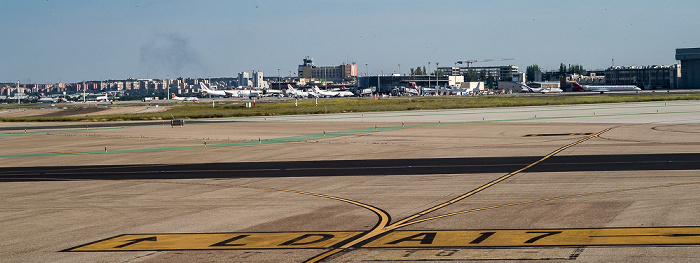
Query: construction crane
{"x": 469, "y": 62}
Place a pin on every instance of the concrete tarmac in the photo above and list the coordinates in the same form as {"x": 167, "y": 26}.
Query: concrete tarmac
{"x": 591, "y": 183}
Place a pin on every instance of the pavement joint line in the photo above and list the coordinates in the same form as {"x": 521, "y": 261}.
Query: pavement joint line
{"x": 377, "y": 114}
{"x": 307, "y": 137}
{"x": 59, "y": 131}
{"x": 298, "y": 138}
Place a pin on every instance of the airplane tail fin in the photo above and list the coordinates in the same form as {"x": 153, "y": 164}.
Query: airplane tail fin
{"x": 577, "y": 86}
{"x": 289, "y": 86}
{"x": 202, "y": 86}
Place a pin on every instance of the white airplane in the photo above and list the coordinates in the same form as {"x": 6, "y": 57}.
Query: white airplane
{"x": 325, "y": 93}
{"x": 103, "y": 98}
{"x": 412, "y": 89}
{"x": 345, "y": 93}
{"x": 203, "y": 88}
{"x": 247, "y": 93}
{"x": 295, "y": 93}
{"x": 603, "y": 89}
{"x": 527, "y": 88}
{"x": 175, "y": 97}
{"x": 50, "y": 100}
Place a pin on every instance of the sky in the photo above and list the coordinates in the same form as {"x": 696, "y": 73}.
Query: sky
{"x": 49, "y": 41}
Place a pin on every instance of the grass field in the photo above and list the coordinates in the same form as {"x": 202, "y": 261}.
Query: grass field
{"x": 198, "y": 111}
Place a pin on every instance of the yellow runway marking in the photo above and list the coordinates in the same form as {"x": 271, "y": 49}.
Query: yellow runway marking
{"x": 545, "y": 200}
{"x": 556, "y": 134}
{"x": 380, "y": 229}
{"x": 502, "y": 178}
{"x": 401, "y": 239}
{"x": 143, "y": 242}
{"x": 541, "y": 237}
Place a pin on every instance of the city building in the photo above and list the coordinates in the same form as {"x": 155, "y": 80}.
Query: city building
{"x": 386, "y": 84}
{"x": 244, "y": 79}
{"x": 647, "y": 77}
{"x": 690, "y": 67}
{"x": 258, "y": 81}
{"x": 344, "y": 72}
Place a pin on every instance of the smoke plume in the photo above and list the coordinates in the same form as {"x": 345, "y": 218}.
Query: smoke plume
{"x": 169, "y": 53}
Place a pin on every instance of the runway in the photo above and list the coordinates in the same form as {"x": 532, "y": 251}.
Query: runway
{"x": 580, "y": 163}
{"x": 497, "y": 184}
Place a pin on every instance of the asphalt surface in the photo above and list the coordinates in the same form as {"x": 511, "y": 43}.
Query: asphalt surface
{"x": 591, "y": 183}
{"x": 382, "y": 167}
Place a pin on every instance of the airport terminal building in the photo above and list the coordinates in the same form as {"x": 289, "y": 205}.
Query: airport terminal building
{"x": 336, "y": 74}
{"x": 690, "y": 67}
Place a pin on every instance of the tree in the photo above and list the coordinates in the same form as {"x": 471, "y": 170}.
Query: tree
{"x": 424, "y": 71}
{"x": 530, "y": 71}
{"x": 575, "y": 69}
{"x": 562, "y": 69}
{"x": 471, "y": 76}
{"x": 413, "y": 71}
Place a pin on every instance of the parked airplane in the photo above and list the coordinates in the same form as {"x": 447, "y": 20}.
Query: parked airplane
{"x": 50, "y": 100}
{"x": 292, "y": 92}
{"x": 103, "y": 98}
{"x": 345, "y": 93}
{"x": 175, "y": 97}
{"x": 244, "y": 93}
{"x": 527, "y": 88}
{"x": 325, "y": 93}
{"x": 203, "y": 88}
{"x": 602, "y": 89}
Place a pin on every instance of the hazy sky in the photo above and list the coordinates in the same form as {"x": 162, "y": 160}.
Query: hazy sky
{"x": 46, "y": 41}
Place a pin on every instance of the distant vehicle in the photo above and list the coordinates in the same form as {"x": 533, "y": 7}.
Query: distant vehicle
{"x": 292, "y": 92}
{"x": 144, "y": 99}
{"x": 272, "y": 93}
{"x": 365, "y": 92}
{"x": 204, "y": 88}
{"x": 49, "y": 100}
{"x": 603, "y": 89}
{"x": 175, "y": 97}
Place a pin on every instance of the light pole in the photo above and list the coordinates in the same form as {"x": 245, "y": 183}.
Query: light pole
{"x": 366, "y": 69}
{"x": 437, "y": 78}
{"x": 428, "y": 74}
{"x": 167, "y": 85}
{"x": 399, "y": 69}
{"x": 278, "y": 79}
